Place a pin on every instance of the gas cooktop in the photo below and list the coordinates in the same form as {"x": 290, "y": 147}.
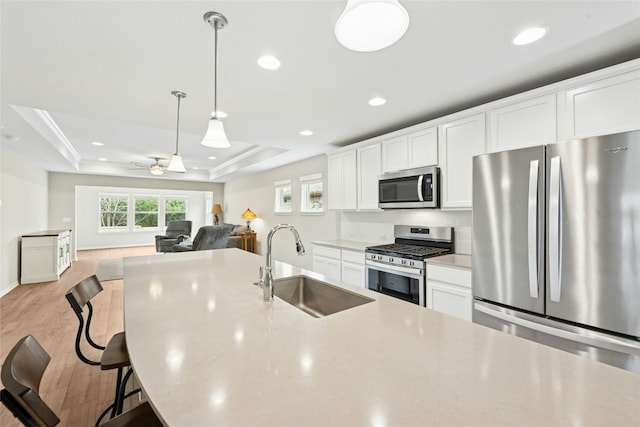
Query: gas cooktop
{"x": 408, "y": 251}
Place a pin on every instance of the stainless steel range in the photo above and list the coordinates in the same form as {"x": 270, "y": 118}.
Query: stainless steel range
{"x": 398, "y": 269}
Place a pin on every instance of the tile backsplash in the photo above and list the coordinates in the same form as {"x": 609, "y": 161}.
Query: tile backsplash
{"x": 378, "y": 226}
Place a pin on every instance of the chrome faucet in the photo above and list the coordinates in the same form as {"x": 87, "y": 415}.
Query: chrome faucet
{"x": 266, "y": 279}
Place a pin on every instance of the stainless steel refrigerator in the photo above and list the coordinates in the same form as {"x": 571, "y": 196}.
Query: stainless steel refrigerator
{"x": 556, "y": 245}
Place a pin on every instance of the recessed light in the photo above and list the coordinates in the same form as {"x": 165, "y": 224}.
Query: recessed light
{"x": 102, "y": 159}
{"x": 221, "y": 114}
{"x": 195, "y": 168}
{"x": 377, "y": 101}
{"x": 306, "y": 132}
{"x": 529, "y": 35}
{"x": 211, "y": 157}
{"x": 269, "y": 62}
{"x": 97, "y": 144}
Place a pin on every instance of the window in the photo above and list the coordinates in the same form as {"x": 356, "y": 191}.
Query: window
{"x": 175, "y": 209}
{"x": 146, "y": 212}
{"x": 311, "y": 194}
{"x": 113, "y": 212}
{"x": 283, "y": 196}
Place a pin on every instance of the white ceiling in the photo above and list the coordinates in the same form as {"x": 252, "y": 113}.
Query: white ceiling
{"x": 104, "y": 71}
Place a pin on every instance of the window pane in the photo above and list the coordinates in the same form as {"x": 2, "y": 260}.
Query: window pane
{"x": 175, "y": 210}
{"x": 283, "y": 198}
{"x": 113, "y": 212}
{"x": 146, "y": 213}
{"x": 312, "y": 196}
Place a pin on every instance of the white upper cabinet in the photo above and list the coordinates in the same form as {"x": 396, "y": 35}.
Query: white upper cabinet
{"x": 414, "y": 150}
{"x": 423, "y": 148}
{"x": 607, "y": 105}
{"x": 523, "y": 124}
{"x": 369, "y": 165}
{"x": 459, "y": 141}
{"x": 342, "y": 178}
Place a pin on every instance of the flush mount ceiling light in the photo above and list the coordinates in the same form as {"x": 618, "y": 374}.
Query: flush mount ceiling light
{"x": 176, "y": 164}
{"x": 529, "y": 35}
{"x": 215, "y": 136}
{"x": 369, "y": 25}
{"x": 269, "y": 62}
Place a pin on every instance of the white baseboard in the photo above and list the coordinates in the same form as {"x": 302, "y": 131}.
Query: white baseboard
{"x": 116, "y": 246}
{"x": 9, "y": 289}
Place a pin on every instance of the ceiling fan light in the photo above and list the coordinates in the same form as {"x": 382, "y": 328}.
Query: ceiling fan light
{"x": 156, "y": 169}
{"x": 176, "y": 164}
{"x": 215, "y": 136}
{"x": 369, "y": 25}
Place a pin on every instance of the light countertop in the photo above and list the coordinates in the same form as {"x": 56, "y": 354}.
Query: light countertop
{"x": 451, "y": 260}
{"x": 346, "y": 244}
{"x": 208, "y": 351}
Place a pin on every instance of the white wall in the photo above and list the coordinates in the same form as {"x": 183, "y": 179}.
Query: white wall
{"x": 257, "y": 192}
{"x": 62, "y": 209}
{"x": 23, "y": 209}
{"x": 88, "y": 235}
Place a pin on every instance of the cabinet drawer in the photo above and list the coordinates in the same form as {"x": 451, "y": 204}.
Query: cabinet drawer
{"x": 456, "y": 276}
{"x": 354, "y": 257}
{"x": 326, "y": 252}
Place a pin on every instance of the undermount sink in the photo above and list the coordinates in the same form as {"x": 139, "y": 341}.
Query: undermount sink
{"x": 315, "y": 297}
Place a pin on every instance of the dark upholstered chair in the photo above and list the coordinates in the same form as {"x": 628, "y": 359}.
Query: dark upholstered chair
{"x": 208, "y": 237}
{"x": 22, "y": 371}
{"x": 176, "y": 232}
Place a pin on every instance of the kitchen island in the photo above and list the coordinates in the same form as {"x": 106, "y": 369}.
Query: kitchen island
{"x": 208, "y": 351}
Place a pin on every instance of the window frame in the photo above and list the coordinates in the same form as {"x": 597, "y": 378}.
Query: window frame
{"x": 305, "y": 194}
{"x": 279, "y": 206}
{"x": 137, "y": 197}
{"x": 165, "y": 199}
{"x": 119, "y": 229}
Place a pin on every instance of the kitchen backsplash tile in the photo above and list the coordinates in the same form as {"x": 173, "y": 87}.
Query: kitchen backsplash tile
{"x": 378, "y": 226}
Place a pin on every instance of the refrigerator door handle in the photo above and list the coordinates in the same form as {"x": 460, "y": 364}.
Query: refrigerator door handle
{"x": 420, "y": 192}
{"x": 606, "y": 342}
{"x": 555, "y": 230}
{"x": 532, "y": 230}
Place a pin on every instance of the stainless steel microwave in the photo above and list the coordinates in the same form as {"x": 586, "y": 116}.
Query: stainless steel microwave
{"x": 414, "y": 188}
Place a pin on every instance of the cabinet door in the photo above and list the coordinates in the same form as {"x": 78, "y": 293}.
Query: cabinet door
{"x": 368, "y": 173}
{"x": 328, "y": 267}
{"x": 449, "y": 299}
{"x": 523, "y": 124}
{"x": 349, "y": 181}
{"x": 395, "y": 154}
{"x": 423, "y": 148}
{"x": 459, "y": 141}
{"x": 605, "y": 106}
{"x": 353, "y": 274}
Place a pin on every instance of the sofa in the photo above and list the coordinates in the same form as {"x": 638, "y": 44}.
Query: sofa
{"x": 235, "y": 237}
{"x": 207, "y": 237}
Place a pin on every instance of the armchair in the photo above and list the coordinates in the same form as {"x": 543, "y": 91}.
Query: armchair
{"x": 176, "y": 232}
{"x": 207, "y": 237}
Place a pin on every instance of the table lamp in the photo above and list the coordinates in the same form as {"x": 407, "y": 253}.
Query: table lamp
{"x": 217, "y": 209}
{"x": 248, "y": 215}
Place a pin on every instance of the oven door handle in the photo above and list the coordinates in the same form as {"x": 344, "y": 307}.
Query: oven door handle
{"x": 386, "y": 268}
{"x": 420, "y": 192}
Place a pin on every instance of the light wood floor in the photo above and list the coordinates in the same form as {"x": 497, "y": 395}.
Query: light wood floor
{"x": 76, "y": 392}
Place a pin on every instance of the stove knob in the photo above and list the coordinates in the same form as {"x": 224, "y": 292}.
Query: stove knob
{"x": 404, "y": 262}
{"x": 379, "y": 257}
{"x": 390, "y": 259}
{"x": 411, "y": 263}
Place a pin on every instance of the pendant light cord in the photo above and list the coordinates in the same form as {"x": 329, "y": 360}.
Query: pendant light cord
{"x": 215, "y": 71}
{"x": 178, "y": 124}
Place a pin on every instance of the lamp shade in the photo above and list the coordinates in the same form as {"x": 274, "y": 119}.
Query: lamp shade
{"x": 248, "y": 214}
{"x": 215, "y": 136}
{"x": 176, "y": 164}
{"x": 217, "y": 209}
{"x": 369, "y": 25}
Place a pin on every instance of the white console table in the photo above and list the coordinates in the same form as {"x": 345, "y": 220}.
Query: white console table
{"x": 45, "y": 255}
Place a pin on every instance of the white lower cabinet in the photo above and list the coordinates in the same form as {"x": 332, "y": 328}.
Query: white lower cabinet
{"x": 449, "y": 290}
{"x": 339, "y": 264}
{"x": 44, "y": 256}
{"x": 353, "y": 267}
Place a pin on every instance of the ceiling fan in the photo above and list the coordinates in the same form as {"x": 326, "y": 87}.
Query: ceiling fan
{"x": 156, "y": 168}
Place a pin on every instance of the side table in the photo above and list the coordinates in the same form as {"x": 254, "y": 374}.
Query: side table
{"x": 249, "y": 241}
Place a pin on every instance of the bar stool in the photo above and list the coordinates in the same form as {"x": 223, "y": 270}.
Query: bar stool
{"x": 114, "y": 355}
{"x": 21, "y": 374}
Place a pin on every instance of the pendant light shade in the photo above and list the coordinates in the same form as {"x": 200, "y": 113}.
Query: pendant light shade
{"x": 176, "y": 164}
{"x": 215, "y": 136}
{"x": 369, "y": 25}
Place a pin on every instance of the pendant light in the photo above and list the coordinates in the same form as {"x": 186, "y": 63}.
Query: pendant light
{"x": 369, "y": 25}
{"x": 215, "y": 136}
{"x": 176, "y": 164}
